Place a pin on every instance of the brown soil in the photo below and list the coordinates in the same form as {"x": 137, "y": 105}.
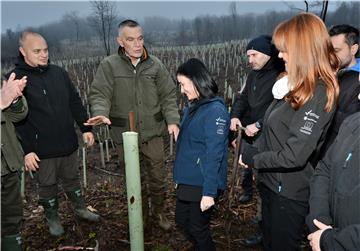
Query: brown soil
{"x": 107, "y": 194}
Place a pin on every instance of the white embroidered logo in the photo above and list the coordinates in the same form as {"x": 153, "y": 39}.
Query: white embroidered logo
{"x": 310, "y": 120}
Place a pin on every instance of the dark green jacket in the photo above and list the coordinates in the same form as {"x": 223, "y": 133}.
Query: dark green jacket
{"x": 147, "y": 89}
{"x": 12, "y": 157}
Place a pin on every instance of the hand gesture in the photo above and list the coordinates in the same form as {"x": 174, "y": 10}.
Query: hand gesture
{"x": 97, "y": 120}
{"x": 11, "y": 90}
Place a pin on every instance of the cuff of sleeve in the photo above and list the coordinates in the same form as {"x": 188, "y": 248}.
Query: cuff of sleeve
{"x": 209, "y": 194}
{"x": 86, "y": 129}
{"x": 325, "y": 237}
{"x": 18, "y": 106}
{"x": 173, "y": 120}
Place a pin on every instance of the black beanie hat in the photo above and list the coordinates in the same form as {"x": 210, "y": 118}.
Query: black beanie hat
{"x": 262, "y": 44}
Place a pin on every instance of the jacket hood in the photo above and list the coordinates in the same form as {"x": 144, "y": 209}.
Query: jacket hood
{"x": 21, "y": 64}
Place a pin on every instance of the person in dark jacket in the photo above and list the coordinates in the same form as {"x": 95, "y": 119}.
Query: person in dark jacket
{"x": 334, "y": 217}
{"x": 294, "y": 129}
{"x": 48, "y": 135}
{"x": 249, "y": 107}
{"x": 200, "y": 167}
{"x": 13, "y": 109}
{"x": 345, "y": 40}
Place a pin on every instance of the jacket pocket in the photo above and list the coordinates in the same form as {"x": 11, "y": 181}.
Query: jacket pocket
{"x": 158, "y": 116}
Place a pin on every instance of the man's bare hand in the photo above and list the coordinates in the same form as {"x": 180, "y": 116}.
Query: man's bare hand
{"x": 251, "y": 130}
{"x": 11, "y": 90}
{"x": 97, "y": 120}
{"x": 241, "y": 163}
{"x": 88, "y": 138}
{"x": 173, "y": 129}
{"x": 234, "y": 123}
{"x": 31, "y": 162}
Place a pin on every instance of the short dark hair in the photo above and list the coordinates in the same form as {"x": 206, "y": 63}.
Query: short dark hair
{"x": 350, "y": 32}
{"x": 127, "y": 23}
{"x": 197, "y": 72}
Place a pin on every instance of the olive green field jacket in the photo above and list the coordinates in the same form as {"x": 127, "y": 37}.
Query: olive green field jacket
{"x": 12, "y": 156}
{"x": 147, "y": 89}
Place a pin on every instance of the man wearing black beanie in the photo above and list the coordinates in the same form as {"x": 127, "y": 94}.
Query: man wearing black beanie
{"x": 250, "y": 105}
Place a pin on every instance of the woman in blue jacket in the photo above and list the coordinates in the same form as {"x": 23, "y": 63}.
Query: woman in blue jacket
{"x": 201, "y": 153}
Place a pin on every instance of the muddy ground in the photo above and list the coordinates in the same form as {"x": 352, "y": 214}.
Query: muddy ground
{"x": 106, "y": 193}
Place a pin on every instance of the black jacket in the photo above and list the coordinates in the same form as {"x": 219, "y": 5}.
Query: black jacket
{"x": 348, "y": 103}
{"x": 251, "y": 104}
{"x": 54, "y": 104}
{"x": 290, "y": 138}
{"x": 335, "y": 190}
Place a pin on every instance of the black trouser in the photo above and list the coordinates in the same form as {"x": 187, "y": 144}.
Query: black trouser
{"x": 11, "y": 204}
{"x": 194, "y": 224}
{"x": 283, "y": 221}
{"x": 52, "y": 170}
{"x": 247, "y": 181}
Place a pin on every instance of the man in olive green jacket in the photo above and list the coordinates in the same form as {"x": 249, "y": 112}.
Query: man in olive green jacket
{"x": 13, "y": 109}
{"x": 133, "y": 80}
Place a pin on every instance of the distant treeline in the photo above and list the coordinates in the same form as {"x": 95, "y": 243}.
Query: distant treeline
{"x": 74, "y": 36}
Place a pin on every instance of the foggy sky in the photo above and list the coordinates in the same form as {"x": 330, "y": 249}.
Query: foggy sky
{"x": 21, "y": 14}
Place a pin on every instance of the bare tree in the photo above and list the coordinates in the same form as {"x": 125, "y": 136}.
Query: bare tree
{"x": 324, "y": 10}
{"x": 103, "y": 18}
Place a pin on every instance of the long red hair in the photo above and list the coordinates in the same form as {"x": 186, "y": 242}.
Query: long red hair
{"x": 310, "y": 56}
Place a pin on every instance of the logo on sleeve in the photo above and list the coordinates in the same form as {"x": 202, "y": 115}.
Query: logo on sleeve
{"x": 220, "y": 123}
{"x": 310, "y": 119}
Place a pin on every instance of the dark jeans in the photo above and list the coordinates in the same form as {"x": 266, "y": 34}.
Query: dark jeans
{"x": 11, "y": 204}
{"x": 52, "y": 170}
{"x": 194, "y": 224}
{"x": 283, "y": 221}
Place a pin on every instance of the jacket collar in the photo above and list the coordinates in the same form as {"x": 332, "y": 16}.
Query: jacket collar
{"x": 145, "y": 55}
{"x": 194, "y": 106}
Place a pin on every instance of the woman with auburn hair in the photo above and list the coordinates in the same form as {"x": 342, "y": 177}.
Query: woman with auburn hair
{"x": 295, "y": 126}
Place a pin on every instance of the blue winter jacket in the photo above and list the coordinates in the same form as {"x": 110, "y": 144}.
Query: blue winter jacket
{"x": 201, "y": 150}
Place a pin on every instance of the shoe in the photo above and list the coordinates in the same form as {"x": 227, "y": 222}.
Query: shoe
{"x": 245, "y": 198}
{"x": 78, "y": 202}
{"x": 51, "y": 207}
{"x": 253, "y": 240}
{"x": 11, "y": 243}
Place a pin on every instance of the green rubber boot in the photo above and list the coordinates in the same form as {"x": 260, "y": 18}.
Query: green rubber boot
{"x": 51, "y": 207}
{"x": 11, "y": 243}
{"x": 78, "y": 202}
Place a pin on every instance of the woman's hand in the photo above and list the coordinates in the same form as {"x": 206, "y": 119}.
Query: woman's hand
{"x": 206, "y": 202}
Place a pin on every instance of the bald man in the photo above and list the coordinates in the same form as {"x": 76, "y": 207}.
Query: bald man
{"x": 48, "y": 135}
